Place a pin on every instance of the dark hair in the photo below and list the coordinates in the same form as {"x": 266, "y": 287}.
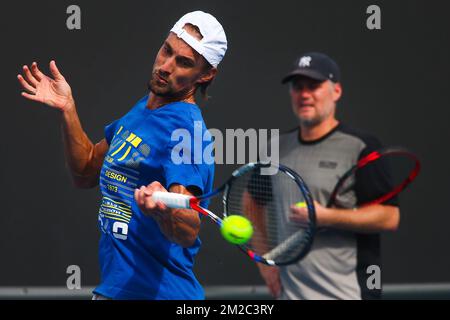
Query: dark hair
{"x": 204, "y": 86}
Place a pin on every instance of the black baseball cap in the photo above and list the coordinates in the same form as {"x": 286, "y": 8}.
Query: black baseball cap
{"x": 315, "y": 65}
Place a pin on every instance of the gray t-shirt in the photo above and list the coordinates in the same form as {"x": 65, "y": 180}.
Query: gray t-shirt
{"x": 336, "y": 266}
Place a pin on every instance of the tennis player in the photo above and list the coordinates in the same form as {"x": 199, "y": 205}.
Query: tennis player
{"x": 322, "y": 149}
{"x": 146, "y": 250}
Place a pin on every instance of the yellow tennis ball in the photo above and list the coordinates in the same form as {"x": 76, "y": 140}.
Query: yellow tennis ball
{"x": 236, "y": 229}
{"x": 301, "y": 204}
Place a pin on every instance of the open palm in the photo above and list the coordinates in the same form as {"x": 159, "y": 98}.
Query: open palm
{"x": 41, "y": 88}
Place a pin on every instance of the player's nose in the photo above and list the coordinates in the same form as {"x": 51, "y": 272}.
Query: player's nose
{"x": 167, "y": 66}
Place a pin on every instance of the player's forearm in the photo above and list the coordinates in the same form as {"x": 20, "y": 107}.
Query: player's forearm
{"x": 369, "y": 219}
{"x": 78, "y": 149}
{"x": 181, "y": 226}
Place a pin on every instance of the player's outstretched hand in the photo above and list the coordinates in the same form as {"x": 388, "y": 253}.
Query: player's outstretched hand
{"x": 54, "y": 92}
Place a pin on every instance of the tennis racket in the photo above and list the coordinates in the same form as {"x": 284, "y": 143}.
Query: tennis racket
{"x": 390, "y": 169}
{"x": 265, "y": 200}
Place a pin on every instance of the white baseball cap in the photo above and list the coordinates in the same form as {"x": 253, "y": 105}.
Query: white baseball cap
{"x": 213, "y": 45}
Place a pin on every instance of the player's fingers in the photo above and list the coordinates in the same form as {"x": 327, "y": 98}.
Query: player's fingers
{"x": 156, "y": 186}
{"x": 139, "y": 197}
{"x": 149, "y": 203}
{"x": 136, "y": 196}
{"x": 148, "y": 191}
{"x": 36, "y": 72}
{"x": 31, "y": 97}
{"x": 55, "y": 71}
{"x": 161, "y": 206}
{"x": 25, "y": 84}
{"x": 142, "y": 196}
{"x": 30, "y": 78}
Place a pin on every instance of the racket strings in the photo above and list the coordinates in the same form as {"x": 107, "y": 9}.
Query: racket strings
{"x": 266, "y": 201}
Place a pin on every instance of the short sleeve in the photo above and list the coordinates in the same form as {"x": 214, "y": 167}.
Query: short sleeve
{"x": 110, "y": 130}
{"x": 375, "y": 180}
{"x": 180, "y": 167}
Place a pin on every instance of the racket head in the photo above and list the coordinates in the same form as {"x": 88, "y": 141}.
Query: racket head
{"x": 389, "y": 170}
{"x": 266, "y": 200}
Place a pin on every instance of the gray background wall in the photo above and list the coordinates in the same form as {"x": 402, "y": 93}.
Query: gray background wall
{"x": 395, "y": 82}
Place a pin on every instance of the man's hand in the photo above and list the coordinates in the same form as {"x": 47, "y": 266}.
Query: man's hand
{"x": 300, "y": 214}
{"x": 271, "y": 276}
{"x": 180, "y": 226}
{"x": 83, "y": 157}
{"x": 366, "y": 219}
{"x": 55, "y": 92}
{"x": 144, "y": 200}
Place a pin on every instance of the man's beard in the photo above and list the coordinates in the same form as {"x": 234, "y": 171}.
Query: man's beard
{"x": 166, "y": 91}
{"x": 314, "y": 121}
{"x": 310, "y": 122}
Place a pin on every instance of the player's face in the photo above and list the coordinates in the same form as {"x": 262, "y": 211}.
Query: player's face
{"x": 177, "y": 69}
{"x": 314, "y": 101}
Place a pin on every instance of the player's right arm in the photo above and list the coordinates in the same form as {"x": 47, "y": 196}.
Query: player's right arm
{"x": 83, "y": 157}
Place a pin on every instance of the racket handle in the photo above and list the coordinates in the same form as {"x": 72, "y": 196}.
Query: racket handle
{"x": 172, "y": 200}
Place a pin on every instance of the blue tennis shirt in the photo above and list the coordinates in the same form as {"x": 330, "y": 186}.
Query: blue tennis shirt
{"x": 137, "y": 261}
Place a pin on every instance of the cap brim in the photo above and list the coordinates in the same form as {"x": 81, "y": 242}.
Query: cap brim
{"x": 304, "y": 72}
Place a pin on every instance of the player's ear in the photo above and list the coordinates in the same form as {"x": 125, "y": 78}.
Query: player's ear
{"x": 207, "y": 75}
{"x": 337, "y": 91}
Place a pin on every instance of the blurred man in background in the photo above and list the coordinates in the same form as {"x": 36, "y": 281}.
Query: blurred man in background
{"x": 322, "y": 149}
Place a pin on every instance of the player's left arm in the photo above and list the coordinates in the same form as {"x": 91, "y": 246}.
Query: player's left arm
{"x": 180, "y": 226}
{"x": 370, "y": 183}
{"x": 367, "y": 219}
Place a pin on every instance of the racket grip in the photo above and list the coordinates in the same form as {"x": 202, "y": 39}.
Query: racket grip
{"x": 172, "y": 200}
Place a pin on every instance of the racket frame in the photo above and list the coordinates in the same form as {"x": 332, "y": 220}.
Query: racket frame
{"x": 371, "y": 157}
{"x": 307, "y": 240}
